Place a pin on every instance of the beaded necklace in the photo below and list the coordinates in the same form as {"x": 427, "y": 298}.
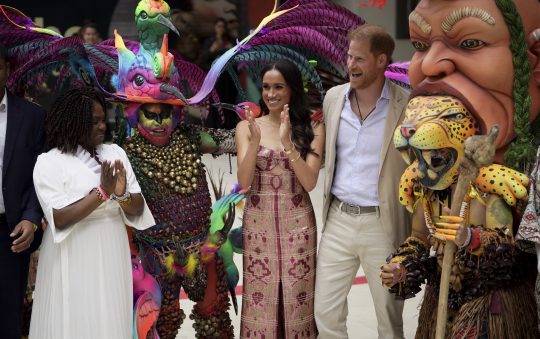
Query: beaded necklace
{"x": 176, "y": 164}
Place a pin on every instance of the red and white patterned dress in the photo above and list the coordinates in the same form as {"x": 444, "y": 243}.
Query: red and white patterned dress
{"x": 280, "y": 239}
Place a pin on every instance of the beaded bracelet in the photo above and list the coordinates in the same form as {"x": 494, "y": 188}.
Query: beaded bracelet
{"x": 101, "y": 194}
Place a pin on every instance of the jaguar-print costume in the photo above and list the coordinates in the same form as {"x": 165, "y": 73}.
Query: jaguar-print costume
{"x": 483, "y": 291}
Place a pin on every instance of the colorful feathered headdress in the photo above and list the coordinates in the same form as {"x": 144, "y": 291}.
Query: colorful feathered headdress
{"x": 134, "y": 73}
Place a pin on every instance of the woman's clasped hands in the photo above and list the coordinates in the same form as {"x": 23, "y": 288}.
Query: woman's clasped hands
{"x": 113, "y": 177}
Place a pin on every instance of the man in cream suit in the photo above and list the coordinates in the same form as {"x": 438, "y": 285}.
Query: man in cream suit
{"x": 363, "y": 220}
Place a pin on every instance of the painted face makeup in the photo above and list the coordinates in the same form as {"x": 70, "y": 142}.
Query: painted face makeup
{"x": 156, "y": 123}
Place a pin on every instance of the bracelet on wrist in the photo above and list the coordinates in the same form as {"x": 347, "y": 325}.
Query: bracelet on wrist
{"x": 295, "y": 159}
{"x": 125, "y": 202}
{"x": 101, "y": 194}
{"x": 288, "y": 151}
{"x": 124, "y": 196}
{"x": 123, "y": 199}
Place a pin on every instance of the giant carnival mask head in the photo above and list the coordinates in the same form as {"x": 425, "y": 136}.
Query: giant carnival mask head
{"x": 147, "y": 77}
{"x": 467, "y": 49}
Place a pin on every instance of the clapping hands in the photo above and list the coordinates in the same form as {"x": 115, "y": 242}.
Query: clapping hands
{"x": 113, "y": 177}
{"x": 285, "y": 128}
{"x": 254, "y": 128}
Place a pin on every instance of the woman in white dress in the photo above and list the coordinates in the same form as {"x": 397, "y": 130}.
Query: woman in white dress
{"x": 88, "y": 193}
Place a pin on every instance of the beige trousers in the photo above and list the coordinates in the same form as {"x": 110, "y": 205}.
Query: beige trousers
{"x": 347, "y": 242}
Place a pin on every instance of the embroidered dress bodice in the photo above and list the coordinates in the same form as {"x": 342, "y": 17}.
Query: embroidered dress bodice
{"x": 274, "y": 172}
{"x": 268, "y": 159}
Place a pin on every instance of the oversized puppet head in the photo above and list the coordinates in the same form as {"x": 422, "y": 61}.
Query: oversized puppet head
{"x": 486, "y": 54}
{"x": 147, "y": 77}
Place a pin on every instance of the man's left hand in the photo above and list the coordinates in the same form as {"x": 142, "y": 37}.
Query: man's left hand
{"x": 24, "y": 235}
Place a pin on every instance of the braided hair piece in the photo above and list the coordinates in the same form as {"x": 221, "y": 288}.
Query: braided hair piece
{"x": 69, "y": 121}
{"x": 522, "y": 150}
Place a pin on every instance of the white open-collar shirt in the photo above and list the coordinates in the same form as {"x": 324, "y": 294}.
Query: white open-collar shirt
{"x": 358, "y": 149}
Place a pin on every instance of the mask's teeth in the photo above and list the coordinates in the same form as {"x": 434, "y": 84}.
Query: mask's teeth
{"x": 406, "y": 156}
{"x": 432, "y": 174}
{"x": 427, "y": 157}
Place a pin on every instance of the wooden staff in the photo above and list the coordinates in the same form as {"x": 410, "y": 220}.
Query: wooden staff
{"x": 479, "y": 151}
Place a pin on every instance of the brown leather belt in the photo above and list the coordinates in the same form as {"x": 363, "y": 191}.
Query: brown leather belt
{"x": 354, "y": 209}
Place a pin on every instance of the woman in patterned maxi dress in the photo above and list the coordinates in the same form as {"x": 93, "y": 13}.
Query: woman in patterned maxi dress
{"x": 279, "y": 158}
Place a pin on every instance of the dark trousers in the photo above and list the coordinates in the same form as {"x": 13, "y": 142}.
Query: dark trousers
{"x": 13, "y": 280}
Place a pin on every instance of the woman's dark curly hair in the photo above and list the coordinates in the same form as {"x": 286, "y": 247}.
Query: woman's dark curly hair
{"x": 69, "y": 121}
{"x": 299, "y": 113}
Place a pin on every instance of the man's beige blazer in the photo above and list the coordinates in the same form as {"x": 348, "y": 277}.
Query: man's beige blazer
{"x": 394, "y": 217}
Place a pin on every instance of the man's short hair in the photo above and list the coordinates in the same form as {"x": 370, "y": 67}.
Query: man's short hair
{"x": 379, "y": 40}
{"x": 3, "y": 52}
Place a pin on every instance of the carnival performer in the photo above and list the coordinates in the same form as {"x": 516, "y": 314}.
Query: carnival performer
{"x": 279, "y": 157}
{"x": 491, "y": 282}
{"x": 166, "y": 156}
{"x": 167, "y": 162}
{"x": 88, "y": 192}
